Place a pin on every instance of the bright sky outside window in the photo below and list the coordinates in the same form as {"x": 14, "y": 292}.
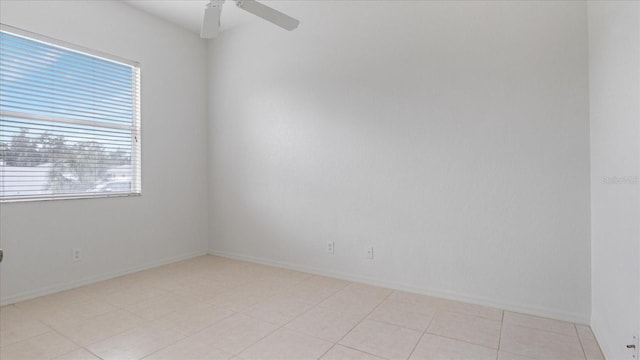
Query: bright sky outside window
{"x": 69, "y": 121}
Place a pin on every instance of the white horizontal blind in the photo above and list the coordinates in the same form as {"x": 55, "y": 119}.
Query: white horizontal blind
{"x": 69, "y": 121}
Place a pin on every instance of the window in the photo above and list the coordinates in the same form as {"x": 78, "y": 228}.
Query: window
{"x": 69, "y": 120}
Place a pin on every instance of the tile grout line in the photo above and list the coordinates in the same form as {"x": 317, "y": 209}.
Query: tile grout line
{"x": 464, "y": 341}
{"x": 584, "y": 352}
{"x": 500, "y": 337}
{"x": 186, "y": 334}
{"x": 424, "y": 332}
{"x": 317, "y": 305}
{"x": 362, "y": 351}
{"x": 56, "y": 331}
{"x": 145, "y": 322}
{"x": 73, "y": 342}
{"x": 439, "y": 311}
{"x": 51, "y": 329}
{"x": 360, "y": 322}
{"x": 197, "y": 332}
{"x": 416, "y": 345}
{"x": 285, "y": 324}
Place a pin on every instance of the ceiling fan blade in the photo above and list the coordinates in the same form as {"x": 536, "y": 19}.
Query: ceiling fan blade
{"x": 272, "y": 15}
{"x": 211, "y": 20}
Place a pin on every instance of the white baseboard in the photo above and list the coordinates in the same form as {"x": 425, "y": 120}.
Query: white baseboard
{"x": 537, "y": 311}
{"x": 26, "y": 295}
{"x": 571, "y": 317}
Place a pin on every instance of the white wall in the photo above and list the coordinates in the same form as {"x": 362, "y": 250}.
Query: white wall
{"x": 117, "y": 235}
{"x": 451, "y": 136}
{"x": 614, "y": 76}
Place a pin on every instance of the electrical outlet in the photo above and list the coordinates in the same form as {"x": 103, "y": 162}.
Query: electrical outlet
{"x": 77, "y": 254}
{"x": 331, "y": 247}
{"x": 370, "y": 253}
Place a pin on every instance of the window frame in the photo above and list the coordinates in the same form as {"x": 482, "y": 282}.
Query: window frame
{"x": 135, "y": 128}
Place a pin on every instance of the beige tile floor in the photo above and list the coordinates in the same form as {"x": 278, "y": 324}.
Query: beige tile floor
{"x": 215, "y": 308}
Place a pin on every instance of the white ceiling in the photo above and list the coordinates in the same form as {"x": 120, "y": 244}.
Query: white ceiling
{"x": 188, "y": 13}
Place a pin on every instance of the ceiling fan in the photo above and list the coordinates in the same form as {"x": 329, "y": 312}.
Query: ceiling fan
{"x": 211, "y": 20}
